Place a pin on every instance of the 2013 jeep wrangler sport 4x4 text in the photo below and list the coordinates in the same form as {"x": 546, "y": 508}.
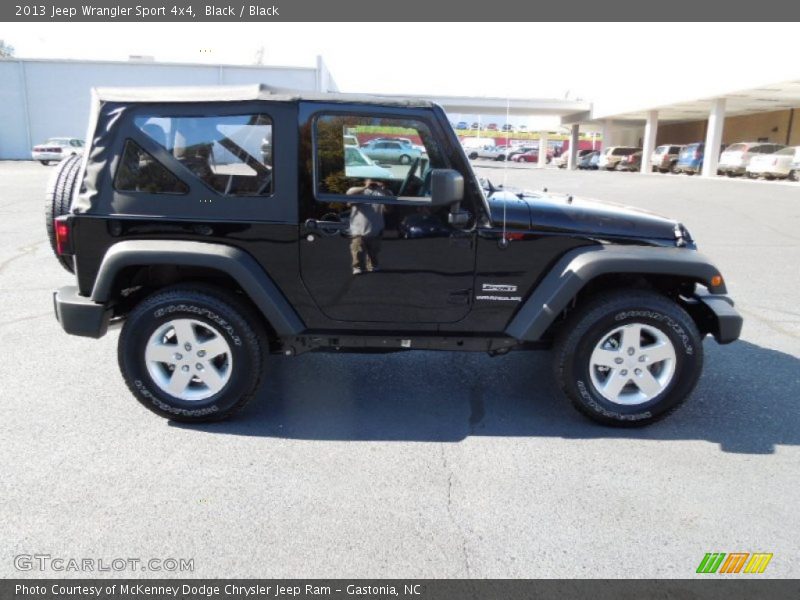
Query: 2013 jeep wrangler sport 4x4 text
{"x": 221, "y": 225}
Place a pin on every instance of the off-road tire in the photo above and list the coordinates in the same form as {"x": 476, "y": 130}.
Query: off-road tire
{"x": 589, "y": 324}
{"x": 58, "y": 200}
{"x": 233, "y": 318}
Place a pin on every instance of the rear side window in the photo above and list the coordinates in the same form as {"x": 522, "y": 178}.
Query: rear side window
{"x": 138, "y": 171}
{"x": 232, "y": 154}
{"x": 624, "y": 151}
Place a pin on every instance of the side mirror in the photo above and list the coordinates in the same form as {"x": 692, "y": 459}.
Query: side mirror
{"x": 447, "y": 187}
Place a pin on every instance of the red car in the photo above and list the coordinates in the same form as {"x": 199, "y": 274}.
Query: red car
{"x": 531, "y": 156}
{"x": 491, "y": 127}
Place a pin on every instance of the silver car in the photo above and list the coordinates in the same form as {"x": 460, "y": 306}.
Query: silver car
{"x": 386, "y": 151}
{"x": 665, "y": 157}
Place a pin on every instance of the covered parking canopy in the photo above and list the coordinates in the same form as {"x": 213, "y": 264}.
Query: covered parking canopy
{"x": 783, "y": 96}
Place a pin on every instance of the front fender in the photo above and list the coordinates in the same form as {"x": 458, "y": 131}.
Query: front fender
{"x": 578, "y": 267}
{"x": 255, "y": 282}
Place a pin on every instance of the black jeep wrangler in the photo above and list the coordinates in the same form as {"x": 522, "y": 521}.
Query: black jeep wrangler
{"x": 222, "y": 225}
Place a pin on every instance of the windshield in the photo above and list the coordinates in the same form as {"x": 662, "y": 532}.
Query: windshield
{"x": 785, "y": 152}
{"x": 353, "y": 157}
{"x": 59, "y": 141}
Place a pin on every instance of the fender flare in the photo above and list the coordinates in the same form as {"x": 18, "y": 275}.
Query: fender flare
{"x": 255, "y": 282}
{"x": 579, "y": 266}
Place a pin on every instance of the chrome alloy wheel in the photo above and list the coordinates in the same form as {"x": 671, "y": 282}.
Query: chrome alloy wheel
{"x": 188, "y": 359}
{"x": 632, "y": 364}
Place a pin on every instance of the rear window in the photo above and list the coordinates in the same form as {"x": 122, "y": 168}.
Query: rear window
{"x": 786, "y": 152}
{"x": 736, "y": 148}
{"x": 624, "y": 151}
{"x": 662, "y": 150}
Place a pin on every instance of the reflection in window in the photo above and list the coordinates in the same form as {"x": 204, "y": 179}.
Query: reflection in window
{"x": 353, "y": 149}
{"x": 232, "y": 154}
{"x": 140, "y": 172}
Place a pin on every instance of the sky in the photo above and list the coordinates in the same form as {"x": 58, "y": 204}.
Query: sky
{"x": 618, "y": 66}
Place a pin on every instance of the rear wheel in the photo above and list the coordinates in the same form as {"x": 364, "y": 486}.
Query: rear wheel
{"x": 628, "y": 358}
{"x": 192, "y": 354}
{"x": 58, "y": 200}
{"x": 45, "y": 162}
{"x": 405, "y": 159}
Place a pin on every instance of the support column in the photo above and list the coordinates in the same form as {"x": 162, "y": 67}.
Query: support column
{"x": 716, "y": 122}
{"x": 650, "y": 131}
{"x": 542, "y": 150}
{"x": 572, "y": 158}
{"x": 607, "y": 125}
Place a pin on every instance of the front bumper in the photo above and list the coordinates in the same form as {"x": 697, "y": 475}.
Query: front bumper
{"x": 716, "y": 315}
{"x": 79, "y": 315}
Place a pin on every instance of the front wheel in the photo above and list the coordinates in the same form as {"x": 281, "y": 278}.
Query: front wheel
{"x": 405, "y": 159}
{"x": 628, "y": 358}
{"x": 191, "y": 354}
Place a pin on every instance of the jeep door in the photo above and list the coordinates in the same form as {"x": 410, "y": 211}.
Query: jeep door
{"x": 373, "y": 248}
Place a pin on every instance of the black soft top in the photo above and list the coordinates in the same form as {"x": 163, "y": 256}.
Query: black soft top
{"x": 109, "y": 127}
{"x": 240, "y": 93}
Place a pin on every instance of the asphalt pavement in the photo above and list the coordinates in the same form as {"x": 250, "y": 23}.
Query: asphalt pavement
{"x": 416, "y": 464}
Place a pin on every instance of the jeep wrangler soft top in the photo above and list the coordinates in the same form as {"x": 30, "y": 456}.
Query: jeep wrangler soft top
{"x": 222, "y": 225}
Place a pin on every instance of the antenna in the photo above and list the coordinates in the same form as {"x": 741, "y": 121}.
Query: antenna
{"x": 505, "y": 174}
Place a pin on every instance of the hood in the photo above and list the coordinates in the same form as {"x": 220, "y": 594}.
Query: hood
{"x": 572, "y": 215}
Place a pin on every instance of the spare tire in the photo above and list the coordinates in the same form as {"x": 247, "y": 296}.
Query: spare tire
{"x": 58, "y": 200}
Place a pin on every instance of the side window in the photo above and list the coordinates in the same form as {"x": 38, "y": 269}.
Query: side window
{"x": 138, "y": 171}
{"x": 232, "y": 154}
{"x": 385, "y": 167}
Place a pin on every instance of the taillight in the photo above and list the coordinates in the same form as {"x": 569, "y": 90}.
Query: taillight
{"x": 63, "y": 245}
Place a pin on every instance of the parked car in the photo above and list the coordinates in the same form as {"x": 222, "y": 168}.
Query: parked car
{"x": 56, "y": 149}
{"x": 665, "y": 157}
{"x": 515, "y": 150}
{"x": 357, "y": 164}
{"x": 735, "y": 158}
{"x": 532, "y": 156}
{"x": 632, "y": 162}
{"x": 386, "y": 151}
{"x": 475, "y": 126}
{"x": 522, "y": 128}
{"x": 690, "y": 159}
{"x": 508, "y": 127}
{"x": 589, "y": 160}
{"x": 610, "y": 157}
{"x": 777, "y": 165}
{"x": 492, "y": 127}
{"x": 490, "y": 152}
{"x": 462, "y": 125}
{"x": 561, "y": 161}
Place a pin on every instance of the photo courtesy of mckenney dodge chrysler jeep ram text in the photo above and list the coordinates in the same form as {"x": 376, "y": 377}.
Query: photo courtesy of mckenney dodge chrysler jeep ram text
{"x": 213, "y": 254}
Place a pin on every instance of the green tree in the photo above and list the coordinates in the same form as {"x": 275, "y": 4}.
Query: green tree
{"x": 6, "y": 50}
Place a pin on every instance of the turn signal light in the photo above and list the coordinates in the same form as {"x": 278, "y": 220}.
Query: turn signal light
{"x": 716, "y": 281}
